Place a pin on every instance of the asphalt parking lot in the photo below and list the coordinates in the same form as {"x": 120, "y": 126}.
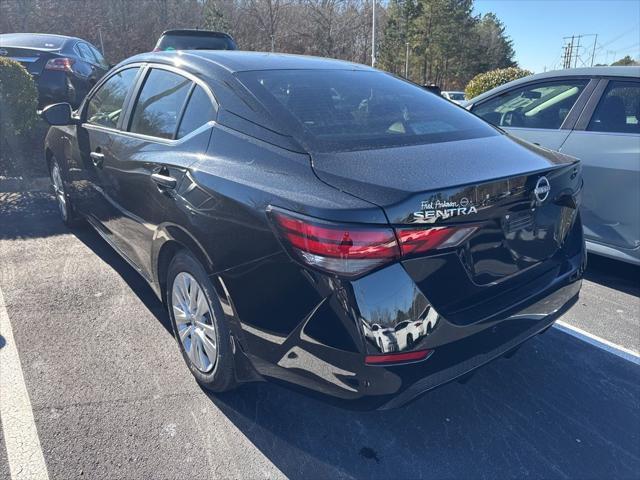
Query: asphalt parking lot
{"x": 111, "y": 398}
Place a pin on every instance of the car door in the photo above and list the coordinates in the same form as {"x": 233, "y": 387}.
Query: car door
{"x": 101, "y": 64}
{"x": 87, "y": 55}
{"x": 147, "y": 162}
{"x": 607, "y": 140}
{"x": 101, "y": 116}
{"x": 541, "y": 112}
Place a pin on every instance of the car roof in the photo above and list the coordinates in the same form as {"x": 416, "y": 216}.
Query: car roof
{"x": 238, "y": 61}
{"x": 616, "y": 71}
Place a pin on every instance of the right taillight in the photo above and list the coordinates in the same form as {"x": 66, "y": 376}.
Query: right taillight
{"x": 351, "y": 250}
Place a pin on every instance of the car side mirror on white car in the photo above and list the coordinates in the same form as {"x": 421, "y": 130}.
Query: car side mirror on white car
{"x": 58, "y": 114}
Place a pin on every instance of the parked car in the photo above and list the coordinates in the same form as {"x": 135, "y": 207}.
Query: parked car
{"x": 194, "y": 40}
{"x": 454, "y": 96}
{"x": 292, "y": 211}
{"x": 433, "y": 88}
{"x": 592, "y": 114}
{"x": 64, "y": 68}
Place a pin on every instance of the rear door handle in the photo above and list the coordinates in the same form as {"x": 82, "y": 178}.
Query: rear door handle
{"x": 164, "y": 181}
{"x": 97, "y": 158}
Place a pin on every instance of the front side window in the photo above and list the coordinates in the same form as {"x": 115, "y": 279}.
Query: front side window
{"x": 541, "y": 105}
{"x": 159, "y": 104}
{"x": 103, "y": 63}
{"x": 337, "y": 110}
{"x": 105, "y": 106}
{"x": 198, "y": 112}
{"x": 618, "y": 109}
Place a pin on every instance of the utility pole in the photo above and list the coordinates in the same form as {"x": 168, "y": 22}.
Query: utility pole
{"x": 406, "y": 62}
{"x": 373, "y": 35}
{"x": 571, "y": 54}
{"x": 101, "y": 42}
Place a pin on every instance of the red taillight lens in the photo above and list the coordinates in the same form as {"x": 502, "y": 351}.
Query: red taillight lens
{"x": 391, "y": 358}
{"x": 422, "y": 240}
{"x": 61, "y": 64}
{"x": 350, "y": 249}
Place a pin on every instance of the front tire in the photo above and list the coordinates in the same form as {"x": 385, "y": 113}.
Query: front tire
{"x": 199, "y": 324}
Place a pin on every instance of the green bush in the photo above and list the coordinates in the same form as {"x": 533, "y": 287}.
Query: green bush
{"x": 21, "y": 131}
{"x": 18, "y": 98}
{"x": 486, "y": 81}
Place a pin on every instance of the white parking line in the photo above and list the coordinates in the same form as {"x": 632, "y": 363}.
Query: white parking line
{"x": 18, "y": 427}
{"x": 599, "y": 342}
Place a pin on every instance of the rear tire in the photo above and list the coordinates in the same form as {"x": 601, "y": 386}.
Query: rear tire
{"x": 66, "y": 209}
{"x": 199, "y": 325}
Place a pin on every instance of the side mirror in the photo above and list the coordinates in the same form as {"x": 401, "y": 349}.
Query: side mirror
{"x": 58, "y": 114}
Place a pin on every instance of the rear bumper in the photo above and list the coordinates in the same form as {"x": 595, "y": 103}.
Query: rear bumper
{"x": 55, "y": 87}
{"x": 316, "y": 359}
{"x": 466, "y": 355}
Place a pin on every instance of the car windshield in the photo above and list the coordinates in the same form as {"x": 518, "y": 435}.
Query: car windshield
{"x": 47, "y": 42}
{"x": 194, "y": 42}
{"x": 456, "y": 95}
{"x": 335, "y": 110}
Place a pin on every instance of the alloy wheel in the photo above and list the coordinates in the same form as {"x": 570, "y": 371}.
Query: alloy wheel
{"x": 58, "y": 188}
{"x": 194, "y": 322}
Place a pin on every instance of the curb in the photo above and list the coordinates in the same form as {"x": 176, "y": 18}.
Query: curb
{"x": 18, "y": 184}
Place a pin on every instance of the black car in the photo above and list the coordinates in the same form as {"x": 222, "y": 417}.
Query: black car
{"x": 319, "y": 222}
{"x": 171, "y": 40}
{"x": 64, "y": 68}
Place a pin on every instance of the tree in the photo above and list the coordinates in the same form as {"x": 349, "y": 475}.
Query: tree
{"x": 627, "y": 60}
{"x": 448, "y": 45}
{"x": 486, "y": 81}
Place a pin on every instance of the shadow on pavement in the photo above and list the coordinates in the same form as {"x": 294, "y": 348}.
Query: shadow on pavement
{"x": 29, "y": 215}
{"x": 614, "y": 274}
{"x": 133, "y": 279}
{"x": 559, "y": 408}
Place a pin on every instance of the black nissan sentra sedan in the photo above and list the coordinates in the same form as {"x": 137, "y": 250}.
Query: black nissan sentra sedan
{"x": 318, "y": 222}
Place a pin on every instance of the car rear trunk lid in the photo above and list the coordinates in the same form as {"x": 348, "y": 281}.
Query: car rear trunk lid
{"x": 31, "y": 59}
{"x": 521, "y": 199}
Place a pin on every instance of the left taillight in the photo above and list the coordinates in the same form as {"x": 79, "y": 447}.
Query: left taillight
{"x": 351, "y": 250}
{"x": 345, "y": 249}
{"x": 62, "y": 64}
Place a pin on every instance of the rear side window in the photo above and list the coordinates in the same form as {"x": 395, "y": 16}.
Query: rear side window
{"x": 159, "y": 104}
{"x": 618, "y": 109}
{"x": 336, "y": 110}
{"x": 541, "y": 105}
{"x": 198, "y": 112}
{"x": 85, "y": 52}
{"x": 105, "y": 106}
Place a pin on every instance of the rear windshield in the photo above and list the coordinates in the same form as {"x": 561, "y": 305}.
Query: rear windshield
{"x": 45, "y": 42}
{"x": 337, "y": 110}
{"x": 193, "y": 42}
{"x": 456, "y": 96}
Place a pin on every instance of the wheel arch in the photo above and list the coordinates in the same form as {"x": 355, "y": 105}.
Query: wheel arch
{"x": 168, "y": 241}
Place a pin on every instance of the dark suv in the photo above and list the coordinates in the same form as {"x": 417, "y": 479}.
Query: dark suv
{"x": 194, "y": 40}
